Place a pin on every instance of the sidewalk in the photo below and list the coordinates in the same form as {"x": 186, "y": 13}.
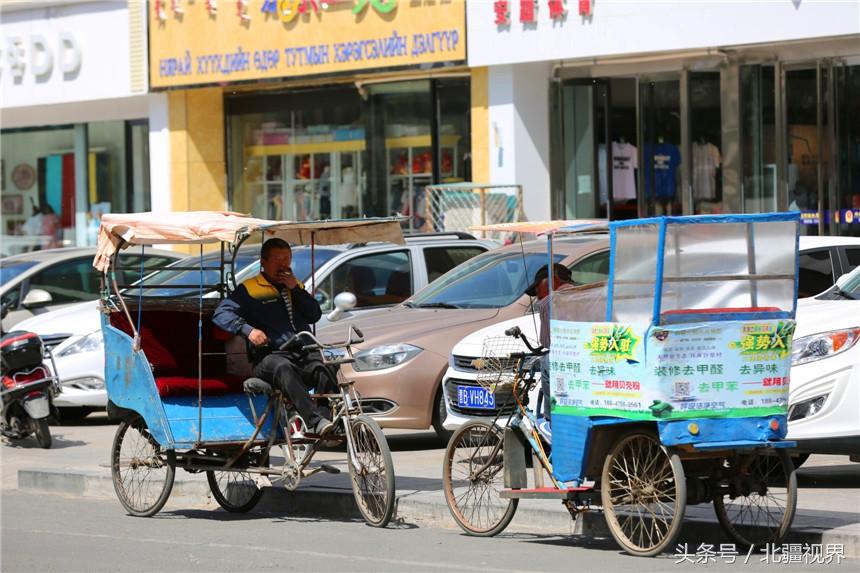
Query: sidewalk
{"x": 828, "y": 508}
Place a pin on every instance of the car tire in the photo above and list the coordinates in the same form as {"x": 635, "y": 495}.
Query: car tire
{"x": 439, "y": 415}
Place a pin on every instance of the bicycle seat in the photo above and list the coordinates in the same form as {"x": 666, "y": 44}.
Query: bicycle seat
{"x": 257, "y": 386}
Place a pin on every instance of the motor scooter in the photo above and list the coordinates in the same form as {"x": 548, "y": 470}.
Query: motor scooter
{"x": 28, "y": 386}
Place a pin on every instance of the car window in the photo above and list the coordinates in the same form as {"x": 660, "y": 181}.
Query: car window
{"x": 378, "y": 279}
{"x": 853, "y": 258}
{"x": 816, "y": 273}
{"x": 591, "y": 269}
{"x": 72, "y": 280}
{"x": 129, "y": 266}
{"x": 491, "y": 280}
{"x": 440, "y": 260}
{"x": 10, "y": 270}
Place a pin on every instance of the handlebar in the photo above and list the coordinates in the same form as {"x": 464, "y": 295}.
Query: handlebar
{"x": 515, "y": 332}
{"x": 296, "y": 342}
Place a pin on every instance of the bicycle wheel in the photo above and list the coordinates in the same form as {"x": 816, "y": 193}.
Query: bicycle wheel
{"x": 759, "y": 507}
{"x": 43, "y": 433}
{"x": 142, "y": 474}
{"x": 235, "y": 491}
{"x": 372, "y": 472}
{"x": 644, "y": 494}
{"x": 473, "y": 499}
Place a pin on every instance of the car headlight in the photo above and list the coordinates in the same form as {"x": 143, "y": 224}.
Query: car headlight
{"x": 385, "y": 356}
{"x": 823, "y": 345}
{"x": 806, "y": 408}
{"x": 89, "y": 343}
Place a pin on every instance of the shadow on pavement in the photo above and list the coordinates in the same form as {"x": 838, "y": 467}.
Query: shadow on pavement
{"x": 841, "y": 476}
{"x": 57, "y": 443}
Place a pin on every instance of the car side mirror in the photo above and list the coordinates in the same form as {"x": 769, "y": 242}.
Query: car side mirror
{"x": 342, "y": 303}
{"x": 37, "y": 298}
{"x": 842, "y": 280}
{"x": 4, "y": 309}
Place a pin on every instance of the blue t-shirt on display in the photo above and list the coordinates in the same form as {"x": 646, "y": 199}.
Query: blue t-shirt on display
{"x": 664, "y": 159}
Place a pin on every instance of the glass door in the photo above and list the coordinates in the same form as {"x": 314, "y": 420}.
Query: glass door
{"x": 846, "y": 83}
{"x": 808, "y": 145}
{"x": 660, "y": 134}
{"x": 584, "y": 133}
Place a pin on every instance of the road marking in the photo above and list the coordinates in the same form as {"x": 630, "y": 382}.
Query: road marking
{"x": 348, "y": 557}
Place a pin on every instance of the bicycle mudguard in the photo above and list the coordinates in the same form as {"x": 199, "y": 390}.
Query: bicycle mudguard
{"x": 514, "y": 454}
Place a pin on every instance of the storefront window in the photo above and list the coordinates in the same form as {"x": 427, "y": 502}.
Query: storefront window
{"x": 344, "y": 152}
{"x": 661, "y": 154}
{"x": 758, "y": 149}
{"x": 847, "y": 119}
{"x": 706, "y": 137}
{"x": 45, "y": 204}
{"x": 803, "y": 146}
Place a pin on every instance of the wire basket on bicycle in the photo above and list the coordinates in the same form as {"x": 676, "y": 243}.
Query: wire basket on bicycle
{"x": 497, "y": 367}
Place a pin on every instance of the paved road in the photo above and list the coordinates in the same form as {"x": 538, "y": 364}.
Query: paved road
{"x": 56, "y": 533}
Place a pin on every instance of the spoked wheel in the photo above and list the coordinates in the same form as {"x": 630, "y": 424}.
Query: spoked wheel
{"x": 472, "y": 476}
{"x": 644, "y": 494}
{"x": 142, "y": 473}
{"x": 235, "y": 491}
{"x": 43, "y": 432}
{"x": 372, "y": 472}
{"x": 762, "y": 497}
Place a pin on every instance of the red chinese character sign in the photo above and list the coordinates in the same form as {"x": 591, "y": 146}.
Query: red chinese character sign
{"x": 502, "y": 12}
{"x": 585, "y": 7}
{"x": 557, "y": 9}
{"x": 527, "y": 11}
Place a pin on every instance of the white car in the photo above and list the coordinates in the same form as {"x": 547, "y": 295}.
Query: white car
{"x": 464, "y": 399}
{"x": 824, "y": 392}
{"x": 379, "y": 274}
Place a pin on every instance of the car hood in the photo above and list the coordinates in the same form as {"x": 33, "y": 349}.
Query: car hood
{"x": 77, "y": 319}
{"x": 423, "y": 327}
{"x": 814, "y": 316}
{"x": 472, "y": 345}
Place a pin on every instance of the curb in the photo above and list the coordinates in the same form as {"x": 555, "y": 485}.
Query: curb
{"x": 339, "y": 503}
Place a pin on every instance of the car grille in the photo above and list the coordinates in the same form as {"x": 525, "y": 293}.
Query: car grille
{"x": 464, "y": 363}
{"x": 504, "y": 399}
{"x": 52, "y": 340}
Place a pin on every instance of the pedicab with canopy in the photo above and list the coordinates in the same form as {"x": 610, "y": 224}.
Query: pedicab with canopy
{"x": 669, "y": 387}
{"x": 183, "y": 388}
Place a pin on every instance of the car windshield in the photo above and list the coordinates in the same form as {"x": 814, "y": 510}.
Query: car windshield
{"x": 850, "y": 289}
{"x": 491, "y": 280}
{"x": 10, "y": 270}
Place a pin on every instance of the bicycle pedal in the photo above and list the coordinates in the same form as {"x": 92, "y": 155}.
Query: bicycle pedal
{"x": 329, "y": 469}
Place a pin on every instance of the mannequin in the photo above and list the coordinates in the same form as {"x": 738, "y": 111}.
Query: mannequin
{"x": 664, "y": 159}
{"x": 624, "y": 163}
{"x": 706, "y": 162}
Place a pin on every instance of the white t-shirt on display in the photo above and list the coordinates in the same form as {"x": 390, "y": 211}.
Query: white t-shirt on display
{"x": 624, "y": 162}
{"x": 706, "y": 159}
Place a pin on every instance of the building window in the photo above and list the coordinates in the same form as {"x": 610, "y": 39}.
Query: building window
{"x": 46, "y": 204}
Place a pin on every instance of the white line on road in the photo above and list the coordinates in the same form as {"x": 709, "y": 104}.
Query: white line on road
{"x": 348, "y": 557}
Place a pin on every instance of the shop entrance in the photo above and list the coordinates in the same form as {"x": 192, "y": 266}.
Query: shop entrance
{"x": 597, "y": 161}
{"x": 822, "y": 115}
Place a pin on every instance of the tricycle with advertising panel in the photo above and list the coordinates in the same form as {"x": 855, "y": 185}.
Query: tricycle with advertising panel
{"x": 668, "y": 386}
{"x": 183, "y": 388}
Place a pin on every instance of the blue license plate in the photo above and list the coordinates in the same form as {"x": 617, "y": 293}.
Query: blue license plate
{"x": 475, "y": 397}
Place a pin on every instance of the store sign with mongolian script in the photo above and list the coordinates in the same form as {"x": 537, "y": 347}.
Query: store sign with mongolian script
{"x": 207, "y": 42}
{"x": 720, "y": 369}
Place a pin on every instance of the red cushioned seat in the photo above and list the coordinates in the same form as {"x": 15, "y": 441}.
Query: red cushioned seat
{"x": 187, "y": 385}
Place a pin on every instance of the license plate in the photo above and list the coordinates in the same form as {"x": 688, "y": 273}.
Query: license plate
{"x": 475, "y": 397}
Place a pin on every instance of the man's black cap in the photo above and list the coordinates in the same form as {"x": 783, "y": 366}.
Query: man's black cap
{"x": 558, "y": 270}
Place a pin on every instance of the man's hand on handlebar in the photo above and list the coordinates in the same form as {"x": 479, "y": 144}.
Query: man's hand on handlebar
{"x": 515, "y": 332}
{"x": 258, "y": 337}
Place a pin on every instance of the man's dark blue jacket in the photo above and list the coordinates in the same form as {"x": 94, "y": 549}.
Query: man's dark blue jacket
{"x": 257, "y": 303}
